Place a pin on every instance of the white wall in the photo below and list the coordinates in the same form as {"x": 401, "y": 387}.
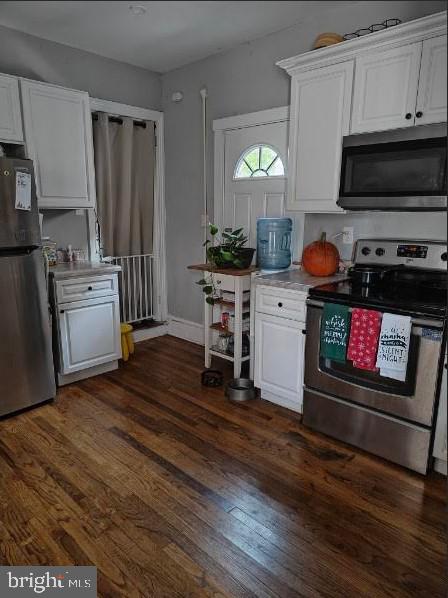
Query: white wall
{"x": 242, "y": 80}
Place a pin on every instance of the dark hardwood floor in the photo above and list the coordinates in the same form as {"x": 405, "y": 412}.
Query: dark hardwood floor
{"x": 172, "y": 491}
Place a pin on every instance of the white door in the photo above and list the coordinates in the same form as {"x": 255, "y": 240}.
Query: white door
{"x": 385, "y": 90}
{"x": 431, "y": 99}
{"x": 89, "y": 333}
{"x": 58, "y": 136}
{"x": 254, "y": 176}
{"x": 279, "y": 345}
{"x": 320, "y": 117}
{"x": 10, "y": 116}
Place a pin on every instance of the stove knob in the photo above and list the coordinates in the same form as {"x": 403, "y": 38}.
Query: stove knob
{"x": 365, "y": 250}
{"x": 444, "y": 256}
{"x": 380, "y": 251}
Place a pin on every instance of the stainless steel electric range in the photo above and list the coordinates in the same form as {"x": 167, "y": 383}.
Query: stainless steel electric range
{"x": 394, "y": 419}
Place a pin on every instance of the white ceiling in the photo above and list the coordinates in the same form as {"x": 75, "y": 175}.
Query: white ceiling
{"x": 167, "y": 36}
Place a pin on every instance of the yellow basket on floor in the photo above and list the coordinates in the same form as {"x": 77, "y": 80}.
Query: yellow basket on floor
{"x": 127, "y": 342}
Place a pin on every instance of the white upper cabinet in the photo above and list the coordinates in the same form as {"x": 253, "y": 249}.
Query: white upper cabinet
{"x": 388, "y": 80}
{"x": 10, "y": 116}
{"x": 319, "y": 118}
{"x": 402, "y": 87}
{"x": 431, "y": 99}
{"x": 58, "y": 136}
{"x": 386, "y": 89}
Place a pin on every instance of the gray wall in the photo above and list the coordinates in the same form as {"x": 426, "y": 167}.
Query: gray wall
{"x": 28, "y": 56}
{"x": 66, "y": 227}
{"x": 242, "y": 80}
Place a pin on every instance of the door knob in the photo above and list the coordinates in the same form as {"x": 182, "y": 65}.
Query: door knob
{"x": 408, "y": 116}
{"x": 419, "y": 114}
{"x": 280, "y": 304}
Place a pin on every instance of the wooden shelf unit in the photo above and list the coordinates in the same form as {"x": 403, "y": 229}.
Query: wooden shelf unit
{"x": 246, "y": 304}
{"x": 217, "y": 326}
{"x": 233, "y": 281}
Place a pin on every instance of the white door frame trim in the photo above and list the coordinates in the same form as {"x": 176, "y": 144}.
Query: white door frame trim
{"x": 117, "y": 109}
{"x": 262, "y": 117}
{"x": 220, "y": 126}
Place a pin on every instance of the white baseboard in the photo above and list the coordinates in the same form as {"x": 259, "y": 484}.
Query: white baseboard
{"x": 146, "y": 333}
{"x": 185, "y": 329}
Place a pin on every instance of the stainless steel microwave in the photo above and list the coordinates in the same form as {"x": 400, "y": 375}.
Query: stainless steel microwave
{"x": 403, "y": 169}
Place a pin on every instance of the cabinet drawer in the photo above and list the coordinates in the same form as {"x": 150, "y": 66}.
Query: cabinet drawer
{"x": 89, "y": 287}
{"x": 281, "y": 302}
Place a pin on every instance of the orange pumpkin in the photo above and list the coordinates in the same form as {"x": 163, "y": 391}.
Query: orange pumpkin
{"x": 321, "y": 258}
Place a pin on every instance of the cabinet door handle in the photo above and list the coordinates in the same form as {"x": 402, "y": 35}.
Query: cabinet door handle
{"x": 89, "y": 288}
{"x": 408, "y": 116}
{"x": 419, "y": 114}
{"x": 62, "y": 311}
{"x": 280, "y": 304}
{"x": 303, "y": 331}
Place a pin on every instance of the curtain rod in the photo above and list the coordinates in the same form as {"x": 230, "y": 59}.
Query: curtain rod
{"x": 119, "y": 121}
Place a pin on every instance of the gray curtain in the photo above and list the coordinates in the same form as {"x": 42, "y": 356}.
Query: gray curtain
{"x": 124, "y": 168}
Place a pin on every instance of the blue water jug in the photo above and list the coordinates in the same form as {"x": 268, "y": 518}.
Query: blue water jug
{"x": 274, "y": 243}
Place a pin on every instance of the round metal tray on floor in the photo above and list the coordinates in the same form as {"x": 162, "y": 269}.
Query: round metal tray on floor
{"x": 240, "y": 390}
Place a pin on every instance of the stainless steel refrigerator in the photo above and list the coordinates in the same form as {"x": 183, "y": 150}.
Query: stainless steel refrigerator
{"x": 26, "y": 362}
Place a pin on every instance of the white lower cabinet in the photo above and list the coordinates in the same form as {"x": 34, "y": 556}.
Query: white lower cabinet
{"x": 86, "y": 325}
{"x": 89, "y": 333}
{"x": 279, "y": 351}
{"x": 440, "y": 451}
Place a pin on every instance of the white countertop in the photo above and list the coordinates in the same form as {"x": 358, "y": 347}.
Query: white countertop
{"x": 295, "y": 279}
{"x": 78, "y": 269}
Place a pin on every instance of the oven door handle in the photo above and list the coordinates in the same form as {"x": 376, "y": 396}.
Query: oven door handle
{"x": 414, "y": 321}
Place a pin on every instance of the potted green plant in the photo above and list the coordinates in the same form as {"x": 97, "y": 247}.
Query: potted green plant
{"x": 228, "y": 250}
{"x": 225, "y": 251}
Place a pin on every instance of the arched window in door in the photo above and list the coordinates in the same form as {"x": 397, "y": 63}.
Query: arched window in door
{"x": 259, "y": 161}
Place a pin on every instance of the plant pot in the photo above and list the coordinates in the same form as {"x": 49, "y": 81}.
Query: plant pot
{"x": 245, "y": 255}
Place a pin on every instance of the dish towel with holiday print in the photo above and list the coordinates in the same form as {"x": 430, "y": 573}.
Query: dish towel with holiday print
{"x": 393, "y": 346}
{"x": 334, "y": 331}
{"x": 364, "y": 333}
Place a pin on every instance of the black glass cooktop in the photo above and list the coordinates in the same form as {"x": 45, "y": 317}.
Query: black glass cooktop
{"x": 402, "y": 297}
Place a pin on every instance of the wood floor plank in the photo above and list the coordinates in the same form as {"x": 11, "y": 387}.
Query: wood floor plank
{"x": 172, "y": 491}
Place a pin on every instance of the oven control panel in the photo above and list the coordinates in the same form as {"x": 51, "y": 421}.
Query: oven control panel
{"x": 412, "y": 251}
{"x": 430, "y": 255}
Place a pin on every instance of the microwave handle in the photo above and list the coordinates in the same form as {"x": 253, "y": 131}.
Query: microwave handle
{"x": 415, "y": 321}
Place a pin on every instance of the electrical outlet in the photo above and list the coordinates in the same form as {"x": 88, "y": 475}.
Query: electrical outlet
{"x": 347, "y": 235}
{"x": 204, "y": 220}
